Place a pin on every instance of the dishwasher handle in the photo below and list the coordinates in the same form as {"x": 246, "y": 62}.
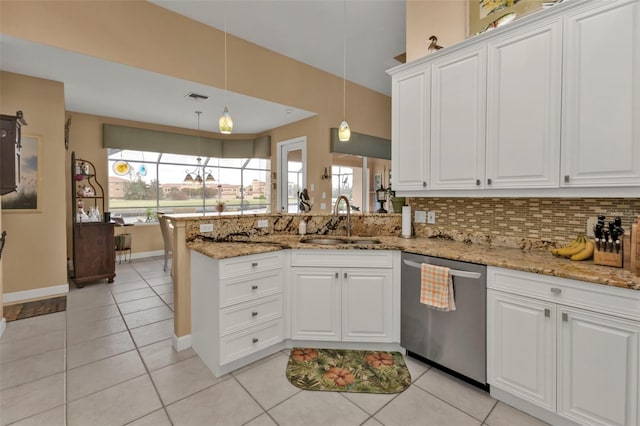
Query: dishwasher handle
{"x": 452, "y": 272}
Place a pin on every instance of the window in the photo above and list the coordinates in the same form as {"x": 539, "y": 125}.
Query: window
{"x": 155, "y": 182}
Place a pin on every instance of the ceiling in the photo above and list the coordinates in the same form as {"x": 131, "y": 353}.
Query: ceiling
{"x": 310, "y": 31}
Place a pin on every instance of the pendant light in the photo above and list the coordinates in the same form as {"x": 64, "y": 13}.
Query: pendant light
{"x": 225, "y": 123}
{"x": 189, "y": 177}
{"x": 344, "y": 132}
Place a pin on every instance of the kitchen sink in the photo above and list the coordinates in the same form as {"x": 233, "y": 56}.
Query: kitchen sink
{"x": 337, "y": 241}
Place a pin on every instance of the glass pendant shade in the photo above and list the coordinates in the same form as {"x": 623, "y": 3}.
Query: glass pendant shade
{"x": 198, "y": 179}
{"x": 226, "y": 123}
{"x": 210, "y": 178}
{"x": 344, "y": 132}
{"x": 188, "y": 178}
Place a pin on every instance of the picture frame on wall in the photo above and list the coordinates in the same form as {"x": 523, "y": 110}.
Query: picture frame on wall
{"x": 27, "y": 198}
{"x": 488, "y": 14}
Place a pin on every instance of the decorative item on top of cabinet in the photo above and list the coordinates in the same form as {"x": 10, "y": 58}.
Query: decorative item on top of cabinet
{"x": 10, "y": 144}
{"x": 433, "y": 46}
{"x": 93, "y": 240}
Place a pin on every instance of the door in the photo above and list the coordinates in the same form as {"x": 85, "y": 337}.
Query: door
{"x": 292, "y": 173}
{"x": 521, "y": 336}
{"x": 367, "y": 305}
{"x": 315, "y": 304}
{"x": 601, "y": 95}
{"x": 523, "y": 108}
{"x": 458, "y": 119}
{"x": 597, "y": 368}
{"x": 410, "y": 130}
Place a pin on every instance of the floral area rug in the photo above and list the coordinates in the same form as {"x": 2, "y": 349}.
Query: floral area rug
{"x": 348, "y": 371}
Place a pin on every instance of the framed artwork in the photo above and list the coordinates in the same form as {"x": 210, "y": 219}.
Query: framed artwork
{"x": 26, "y": 199}
{"x": 486, "y": 13}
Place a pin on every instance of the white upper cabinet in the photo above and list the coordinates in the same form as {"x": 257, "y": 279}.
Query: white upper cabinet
{"x": 458, "y": 115}
{"x": 410, "y": 124}
{"x": 601, "y": 95}
{"x": 523, "y": 107}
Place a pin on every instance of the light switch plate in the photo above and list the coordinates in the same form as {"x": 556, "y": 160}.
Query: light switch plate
{"x": 420, "y": 216}
{"x": 324, "y": 195}
{"x": 323, "y": 206}
{"x": 431, "y": 217}
{"x": 206, "y": 227}
{"x": 312, "y": 187}
{"x": 264, "y": 223}
{"x": 591, "y": 222}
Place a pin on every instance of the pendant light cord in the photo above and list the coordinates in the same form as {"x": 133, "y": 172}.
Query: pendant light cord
{"x": 225, "y": 59}
{"x": 344, "y": 60}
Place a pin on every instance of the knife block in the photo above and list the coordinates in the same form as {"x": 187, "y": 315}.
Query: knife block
{"x": 608, "y": 258}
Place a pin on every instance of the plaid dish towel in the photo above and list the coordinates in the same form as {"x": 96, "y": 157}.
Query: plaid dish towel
{"x": 436, "y": 290}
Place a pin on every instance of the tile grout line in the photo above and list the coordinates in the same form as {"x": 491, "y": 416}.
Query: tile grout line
{"x": 144, "y": 364}
{"x": 450, "y": 404}
{"x": 264, "y": 410}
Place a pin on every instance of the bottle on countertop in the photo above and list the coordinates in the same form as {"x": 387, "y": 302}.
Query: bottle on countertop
{"x": 302, "y": 227}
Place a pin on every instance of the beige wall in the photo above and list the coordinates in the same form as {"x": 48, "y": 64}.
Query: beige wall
{"x": 34, "y": 256}
{"x": 446, "y": 19}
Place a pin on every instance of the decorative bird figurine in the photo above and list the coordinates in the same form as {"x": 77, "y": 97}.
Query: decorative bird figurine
{"x": 434, "y": 44}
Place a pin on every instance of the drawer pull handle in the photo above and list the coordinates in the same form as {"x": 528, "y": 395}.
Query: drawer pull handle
{"x": 547, "y": 312}
{"x": 255, "y": 340}
{"x": 254, "y": 314}
{"x": 337, "y": 275}
{"x": 477, "y": 182}
{"x": 254, "y": 264}
{"x": 566, "y": 178}
{"x": 345, "y": 275}
{"x": 565, "y": 317}
{"x": 489, "y": 181}
{"x": 424, "y": 184}
{"x": 254, "y": 287}
{"x": 555, "y": 290}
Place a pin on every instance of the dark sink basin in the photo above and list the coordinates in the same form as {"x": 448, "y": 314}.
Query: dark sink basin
{"x": 337, "y": 241}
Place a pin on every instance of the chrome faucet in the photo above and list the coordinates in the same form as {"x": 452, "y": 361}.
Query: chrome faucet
{"x": 335, "y": 211}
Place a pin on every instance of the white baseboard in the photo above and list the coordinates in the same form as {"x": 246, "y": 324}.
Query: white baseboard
{"x": 181, "y": 343}
{"x": 36, "y": 293}
{"x": 145, "y": 254}
{"x": 3, "y": 326}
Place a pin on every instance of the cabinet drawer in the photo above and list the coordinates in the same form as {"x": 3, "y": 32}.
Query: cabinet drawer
{"x": 251, "y": 264}
{"x": 239, "y": 290}
{"x": 620, "y": 302}
{"x": 243, "y": 343}
{"x": 343, "y": 258}
{"x": 249, "y": 314}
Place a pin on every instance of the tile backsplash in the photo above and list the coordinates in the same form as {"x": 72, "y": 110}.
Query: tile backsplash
{"x": 542, "y": 219}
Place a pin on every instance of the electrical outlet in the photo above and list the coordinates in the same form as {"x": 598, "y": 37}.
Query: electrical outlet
{"x": 323, "y": 206}
{"x": 206, "y": 227}
{"x": 264, "y": 223}
{"x": 312, "y": 187}
{"x": 591, "y": 222}
{"x": 420, "y": 216}
{"x": 431, "y": 217}
{"x": 324, "y": 195}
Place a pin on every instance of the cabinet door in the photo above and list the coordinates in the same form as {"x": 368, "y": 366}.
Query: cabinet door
{"x": 597, "y": 368}
{"x": 93, "y": 251}
{"x": 523, "y": 108}
{"x": 367, "y": 305}
{"x": 410, "y": 123}
{"x": 458, "y": 119}
{"x": 601, "y": 95}
{"x": 315, "y": 304}
{"x": 521, "y": 347}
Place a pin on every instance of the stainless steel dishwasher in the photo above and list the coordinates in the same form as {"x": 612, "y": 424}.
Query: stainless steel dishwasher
{"x": 455, "y": 340}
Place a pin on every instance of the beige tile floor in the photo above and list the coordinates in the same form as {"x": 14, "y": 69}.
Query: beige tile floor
{"x": 108, "y": 360}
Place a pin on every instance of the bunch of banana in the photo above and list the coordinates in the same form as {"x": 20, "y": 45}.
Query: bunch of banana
{"x": 579, "y": 249}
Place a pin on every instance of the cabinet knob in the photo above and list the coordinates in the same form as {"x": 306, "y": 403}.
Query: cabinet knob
{"x": 565, "y": 317}
{"x": 566, "y": 178}
{"x": 489, "y": 181}
{"x": 555, "y": 290}
{"x": 254, "y": 287}
{"x": 547, "y": 312}
{"x": 424, "y": 184}
{"x": 254, "y": 340}
{"x": 477, "y": 182}
{"x": 254, "y": 264}
{"x": 337, "y": 275}
{"x": 345, "y": 275}
{"x": 254, "y": 314}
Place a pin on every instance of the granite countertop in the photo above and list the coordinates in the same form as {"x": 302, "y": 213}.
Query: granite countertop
{"x": 537, "y": 261}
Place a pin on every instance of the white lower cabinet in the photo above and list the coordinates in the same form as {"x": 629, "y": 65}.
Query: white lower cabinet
{"x": 237, "y": 309}
{"x": 348, "y": 304}
{"x": 566, "y": 346}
